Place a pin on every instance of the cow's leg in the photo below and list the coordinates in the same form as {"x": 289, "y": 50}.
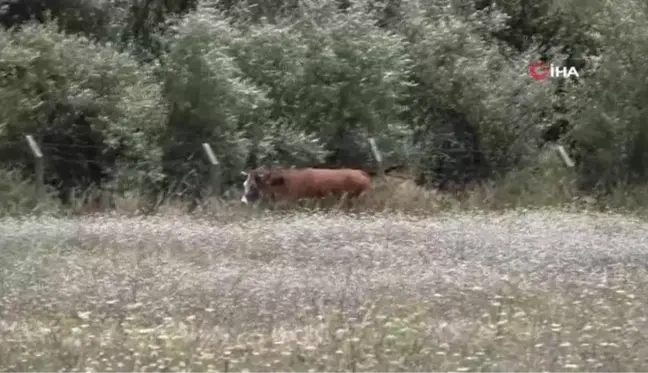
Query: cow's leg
{"x": 268, "y": 199}
{"x": 356, "y": 196}
{"x": 350, "y": 199}
{"x": 343, "y": 201}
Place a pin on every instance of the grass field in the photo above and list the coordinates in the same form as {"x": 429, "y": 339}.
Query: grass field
{"x": 535, "y": 290}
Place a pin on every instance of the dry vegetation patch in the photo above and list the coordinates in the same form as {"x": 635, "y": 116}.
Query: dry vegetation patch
{"x": 534, "y": 290}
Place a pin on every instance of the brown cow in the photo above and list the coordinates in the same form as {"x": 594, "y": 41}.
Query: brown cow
{"x": 296, "y": 183}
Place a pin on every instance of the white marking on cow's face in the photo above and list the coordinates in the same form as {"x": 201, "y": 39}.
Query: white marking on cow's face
{"x": 246, "y": 185}
{"x": 246, "y": 189}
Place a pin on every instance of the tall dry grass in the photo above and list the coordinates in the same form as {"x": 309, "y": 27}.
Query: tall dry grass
{"x": 548, "y": 186}
{"x": 526, "y": 290}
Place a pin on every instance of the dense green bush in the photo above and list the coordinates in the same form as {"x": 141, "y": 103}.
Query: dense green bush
{"x": 442, "y": 85}
{"x": 209, "y": 97}
{"x": 475, "y": 108}
{"x": 88, "y": 104}
{"x": 608, "y": 109}
{"x": 336, "y": 75}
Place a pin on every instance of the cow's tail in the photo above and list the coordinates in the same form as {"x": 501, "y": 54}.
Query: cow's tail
{"x": 373, "y": 173}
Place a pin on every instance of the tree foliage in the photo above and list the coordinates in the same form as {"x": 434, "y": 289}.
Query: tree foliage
{"x": 95, "y": 110}
{"x": 442, "y": 85}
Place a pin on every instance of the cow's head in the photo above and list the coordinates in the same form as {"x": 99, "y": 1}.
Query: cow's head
{"x": 259, "y": 183}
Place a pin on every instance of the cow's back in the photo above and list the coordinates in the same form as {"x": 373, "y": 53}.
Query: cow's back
{"x": 315, "y": 182}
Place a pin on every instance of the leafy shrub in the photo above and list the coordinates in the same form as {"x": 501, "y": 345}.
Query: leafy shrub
{"x": 474, "y": 109}
{"x": 210, "y": 99}
{"x": 608, "y": 109}
{"x": 336, "y": 75}
{"x": 94, "y": 109}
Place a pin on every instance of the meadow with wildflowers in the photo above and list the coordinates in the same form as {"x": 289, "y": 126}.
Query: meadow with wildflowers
{"x": 529, "y": 290}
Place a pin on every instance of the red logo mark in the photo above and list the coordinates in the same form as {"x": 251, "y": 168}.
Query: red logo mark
{"x": 539, "y": 70}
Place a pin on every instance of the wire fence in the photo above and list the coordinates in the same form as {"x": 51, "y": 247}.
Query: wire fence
{"x": 78, "y": 158}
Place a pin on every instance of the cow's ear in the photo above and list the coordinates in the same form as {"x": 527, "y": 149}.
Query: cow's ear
{"x": 277, "y": 180}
